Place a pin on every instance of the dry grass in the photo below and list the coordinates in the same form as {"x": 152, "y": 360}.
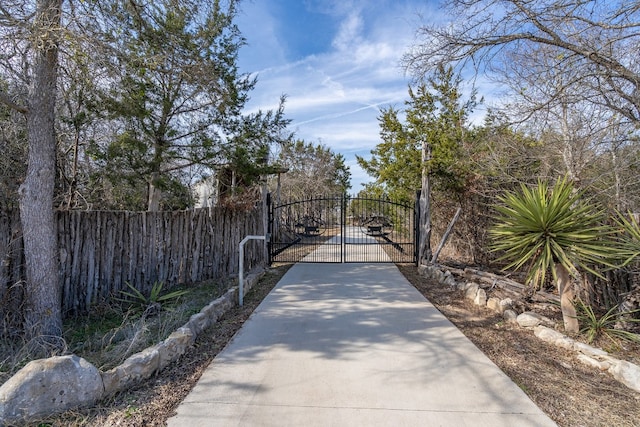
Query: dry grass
{"x": 113, "y": 331}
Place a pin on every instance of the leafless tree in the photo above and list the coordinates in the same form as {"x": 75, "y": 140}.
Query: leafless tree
{"x": 597, "y": 40}
{"x": 585, "y": 140}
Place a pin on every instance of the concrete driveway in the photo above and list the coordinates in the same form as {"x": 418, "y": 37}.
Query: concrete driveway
{"x": 353, "y": 345}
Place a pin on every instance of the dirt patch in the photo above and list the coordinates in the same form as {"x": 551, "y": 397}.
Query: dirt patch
{"x": 569, "y": 392}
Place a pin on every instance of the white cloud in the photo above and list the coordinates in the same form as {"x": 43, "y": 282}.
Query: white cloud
{"x": 350, "y": 32}
{"x": 335, "y": 96}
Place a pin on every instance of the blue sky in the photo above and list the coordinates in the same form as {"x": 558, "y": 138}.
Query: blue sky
{"x": 338, "y": 63}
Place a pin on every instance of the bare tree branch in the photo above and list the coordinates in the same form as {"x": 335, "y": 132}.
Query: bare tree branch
{"x": 5, "y": 99}
{"x": 603, "y": 37}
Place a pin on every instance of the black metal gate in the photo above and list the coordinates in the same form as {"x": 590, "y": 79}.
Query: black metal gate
{"x": 342, "y": 229}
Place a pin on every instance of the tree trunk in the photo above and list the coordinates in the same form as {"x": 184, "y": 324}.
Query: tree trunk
{"x": 424, "y": 251}
{"x": 567, "y": 297}
{"x": 43, "y": 317}
{"x": 617, "y": 181}
{"x": 155, "y": 194}
{"x": 153, "y": 203}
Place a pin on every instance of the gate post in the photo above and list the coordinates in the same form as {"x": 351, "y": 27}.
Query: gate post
{"x": 417, "y": 228}
{"x": 343, "y": 226}
{"x": 270, "y": 230}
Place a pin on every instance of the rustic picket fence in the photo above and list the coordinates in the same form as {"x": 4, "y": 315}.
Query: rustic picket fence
{"x": 100, "y": 252}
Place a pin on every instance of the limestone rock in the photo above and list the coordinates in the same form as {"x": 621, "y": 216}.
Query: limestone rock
{"x": 529, "y": 319}
{"x": 447, "y": 278}
{"x": 510, "y": 316}
{"x": 175, "y": 346}
{"x": 49, "y": 386}
{"x": 471, "y": 290}
{"x": 506, "y": 304}
{"x": 253, "y": 279}
{"x": 428, "y": 271}
{"x": 450, "y": 281}
{"x": 588, "y": 350}
{"x": 554, "y": 337}
{"x": 212, "y": 311}
{"x": 589, "y": 361}
{"x": 136, "y": 368}
{"x": 494, "y": 304}
{"x": 199, "y": 322}
{"x": 215, "y": 309}
{"x": 229, "y": 299}
{"x": 438, "y": 275}
{"x": 423, "y": 270}
{"x": 627, "y": 373}
{"x": 481, "y": 298}
{"x": 547, "y": 334}
{"x": 111, "y": 380}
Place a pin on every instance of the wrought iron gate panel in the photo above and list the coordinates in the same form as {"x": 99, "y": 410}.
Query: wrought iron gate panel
{"x": 342, "y": 229}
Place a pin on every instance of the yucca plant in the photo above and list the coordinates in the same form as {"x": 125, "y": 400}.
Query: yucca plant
{"x": 595, "y": 326}
{"x": 630, "y": 248}
{"x": 554, "y": 230}
{"x": 155, "y": 299}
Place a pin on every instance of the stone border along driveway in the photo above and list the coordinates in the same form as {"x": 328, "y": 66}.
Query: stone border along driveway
{"x": 48, "y": 386}
{"x": 625, "y": 372}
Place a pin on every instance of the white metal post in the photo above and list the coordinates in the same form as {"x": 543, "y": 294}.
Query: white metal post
{"x": 241, "y": 266}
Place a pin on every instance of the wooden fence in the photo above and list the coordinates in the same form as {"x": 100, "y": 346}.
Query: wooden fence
{"x": 99, "y": 252}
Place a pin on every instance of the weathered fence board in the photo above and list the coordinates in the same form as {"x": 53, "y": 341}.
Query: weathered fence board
{"x": 99, "y": 252}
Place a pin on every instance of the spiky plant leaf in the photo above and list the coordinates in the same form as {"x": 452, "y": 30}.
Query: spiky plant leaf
{"x": 630, "y": 247}
{"x": 540, "y": 227}
{"x": 135, "y": 296}
{"x": 595, "y": 326}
